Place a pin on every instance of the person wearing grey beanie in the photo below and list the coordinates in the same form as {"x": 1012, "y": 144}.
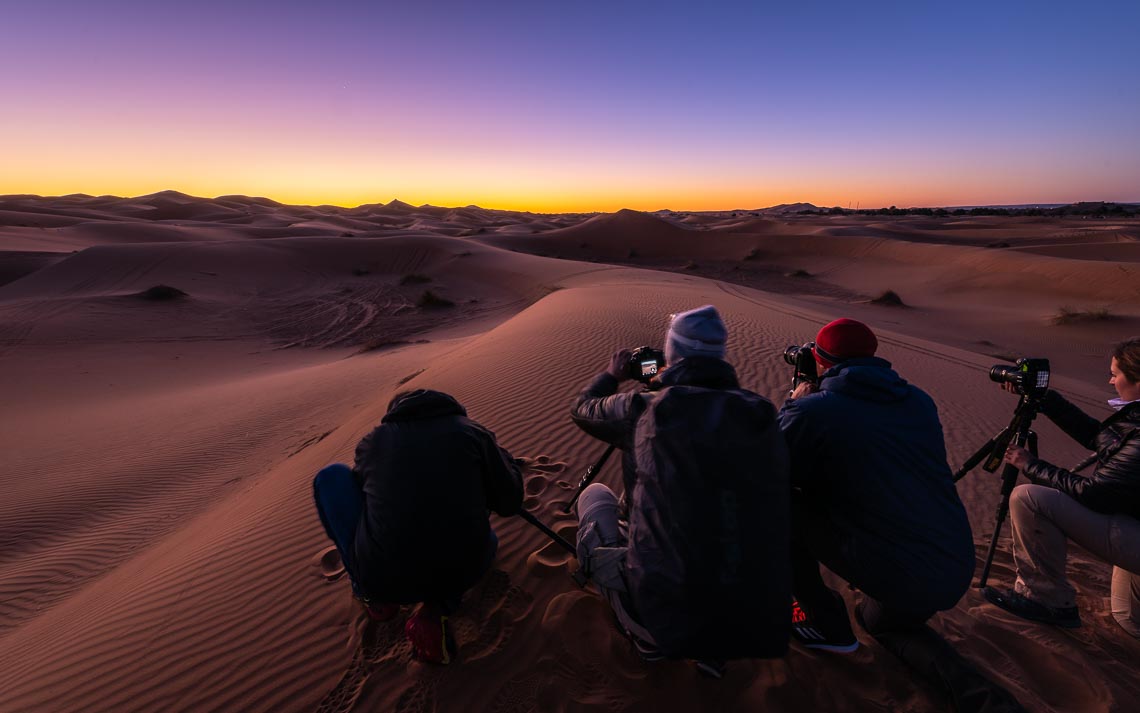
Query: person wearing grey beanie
{"x": 703, "y": 569}
{"x": 698, "y": 332}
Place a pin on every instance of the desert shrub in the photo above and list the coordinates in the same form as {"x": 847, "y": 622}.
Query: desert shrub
{"x": 799, "y": 273}
{"x": 632, "y": 253}
{"x": 889, "y": 298}
{"x": 361, "y": 271}
{"x": 430, "y": 300}
{"x": 161, "y": 293}
{"x": 1067, "y": 315}
{"x": 690, "y": 265}
{"x": 753, "y": 254}
{"x": 414, "y": 278}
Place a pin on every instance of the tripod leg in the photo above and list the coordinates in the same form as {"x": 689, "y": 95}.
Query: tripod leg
{"x": 591, "y": 473}
{"x": 554, "y": 536}
{"x": 979, "y": 455}
{"x": 1008, "y": 482}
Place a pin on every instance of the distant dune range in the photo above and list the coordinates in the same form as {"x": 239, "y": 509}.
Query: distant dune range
{"x": 160, "y": 550}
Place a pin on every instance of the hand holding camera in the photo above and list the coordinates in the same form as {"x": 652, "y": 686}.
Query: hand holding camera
{"x": 619, "y": 365}
{"x": 805, "y": 376}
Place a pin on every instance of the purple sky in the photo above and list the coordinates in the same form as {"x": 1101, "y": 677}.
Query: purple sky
{"x": 575, "y": 106}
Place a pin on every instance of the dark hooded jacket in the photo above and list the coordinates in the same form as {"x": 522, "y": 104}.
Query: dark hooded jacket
{"x": 707, "y": 570}
{"x": 429, "y": 476}
{"x": 1114, "y": 485}
{"x": 869, "y": 469}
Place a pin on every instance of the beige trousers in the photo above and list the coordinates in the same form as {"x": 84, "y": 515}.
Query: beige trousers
{"x": 1044, "y": 520}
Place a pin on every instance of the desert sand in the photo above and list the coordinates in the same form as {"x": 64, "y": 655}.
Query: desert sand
{"x": 158, "y": 545}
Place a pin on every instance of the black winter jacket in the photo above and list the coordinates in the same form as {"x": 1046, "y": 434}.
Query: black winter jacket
{"x": 429, "y": 476}
{"x": 1114, "y": 485}
{"x": 868, "y": 456}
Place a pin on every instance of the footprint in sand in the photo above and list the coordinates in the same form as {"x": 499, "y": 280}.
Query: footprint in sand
{"x": 328, "y": 564}
{"x": 538, "y": 473}
{"x": 376, "y": 643}
{"x": 552, "y": 558}
{"x": 488, "y": 615}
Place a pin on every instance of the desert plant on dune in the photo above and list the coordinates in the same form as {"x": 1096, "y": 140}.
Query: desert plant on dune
{"x": 798, "y": 273}
{"x": 430, "y": 300}
{"x": 161, "y": 293}
{"x": 753, "y": 254}
{"x": 890, "y": 298}
{"x": 414, "y": 278}
{"x": 1067, "y": 315}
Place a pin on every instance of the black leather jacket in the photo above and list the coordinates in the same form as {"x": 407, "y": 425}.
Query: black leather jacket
{"x": 1114, "y": 486}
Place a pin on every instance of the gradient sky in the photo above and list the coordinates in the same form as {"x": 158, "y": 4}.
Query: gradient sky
{"x": 575, "y": 106}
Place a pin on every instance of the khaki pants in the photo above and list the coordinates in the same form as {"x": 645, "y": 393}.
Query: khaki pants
{"x": 1044, "y": 520}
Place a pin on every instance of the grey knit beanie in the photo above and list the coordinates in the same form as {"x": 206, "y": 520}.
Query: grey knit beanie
{"x": 698, "y": 332}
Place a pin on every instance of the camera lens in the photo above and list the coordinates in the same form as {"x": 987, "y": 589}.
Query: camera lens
{"x": 791, "y": 354}
{"x": 1003, "y": 374}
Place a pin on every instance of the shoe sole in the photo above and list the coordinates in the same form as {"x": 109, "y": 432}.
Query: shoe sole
{"x": 834, "y": 648}
{"x": 810, "y": 638}
{"x": 1060, "y": 623}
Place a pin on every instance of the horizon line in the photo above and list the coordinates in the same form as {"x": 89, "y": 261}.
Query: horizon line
{"x": 1024, "y": 205}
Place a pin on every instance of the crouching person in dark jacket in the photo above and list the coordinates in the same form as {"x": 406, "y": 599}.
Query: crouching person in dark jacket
{"x": 701, "y": 570}
{"x": 409, "y": 519}
{"x": 873, "y": 500}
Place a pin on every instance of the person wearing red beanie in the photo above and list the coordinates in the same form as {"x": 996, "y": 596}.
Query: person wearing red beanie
{"x": 843, "y": 339}
{"x": 873, "y": 500}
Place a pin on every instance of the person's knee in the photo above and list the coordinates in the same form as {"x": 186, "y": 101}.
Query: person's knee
{"x": 335, "y": 471}
{"x": 1028, "y": 498}
{"x": 594, "y": 497}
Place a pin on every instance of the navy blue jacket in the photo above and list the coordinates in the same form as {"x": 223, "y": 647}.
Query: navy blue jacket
{"x": 429, "y": 474}
{"x": 869, "y": 459}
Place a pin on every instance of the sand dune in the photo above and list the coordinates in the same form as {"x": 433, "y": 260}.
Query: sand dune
{"x": 160, "y": 547}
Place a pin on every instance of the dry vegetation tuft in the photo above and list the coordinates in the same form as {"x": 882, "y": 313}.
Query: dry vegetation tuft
{"x": 890, "y": 298}
{"x": 1067, "y": 315}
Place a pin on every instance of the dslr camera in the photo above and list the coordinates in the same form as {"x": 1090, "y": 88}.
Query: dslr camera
{"x": 645, "y": 363}
{"x": 802, "y": 360}
{"x": 1029, "y": 377}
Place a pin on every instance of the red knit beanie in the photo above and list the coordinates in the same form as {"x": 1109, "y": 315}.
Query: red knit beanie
{"x": 844, "y": 339}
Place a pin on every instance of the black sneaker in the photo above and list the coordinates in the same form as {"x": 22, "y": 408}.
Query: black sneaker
{"x": 1026, "y": 608}
{"x": 824, "y": 630}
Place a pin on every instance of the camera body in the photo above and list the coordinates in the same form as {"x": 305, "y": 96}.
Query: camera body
{"x": 802, "y": 360}
{"x": 1029, "y": 377}
{"x": 645, "y": 364}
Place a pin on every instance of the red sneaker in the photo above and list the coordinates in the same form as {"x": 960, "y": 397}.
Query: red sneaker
{"x": 431, "y": 637}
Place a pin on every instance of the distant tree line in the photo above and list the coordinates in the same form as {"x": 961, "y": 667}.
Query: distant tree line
{"x": 1088, "y": 209}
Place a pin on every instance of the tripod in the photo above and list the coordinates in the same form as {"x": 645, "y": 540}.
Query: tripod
{"x": 588, "y": 477}
{"x": 1018, "y": 431}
